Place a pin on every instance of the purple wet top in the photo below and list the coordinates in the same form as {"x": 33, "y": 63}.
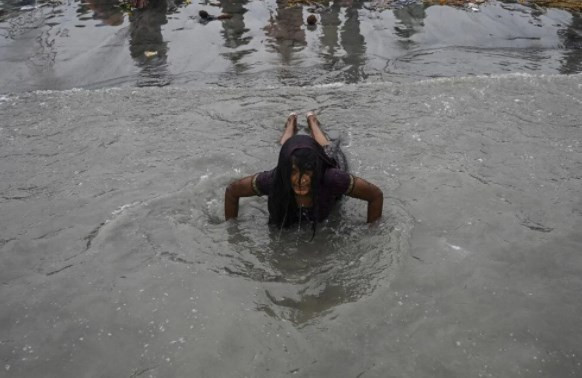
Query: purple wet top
{"x": 334, "y": 184}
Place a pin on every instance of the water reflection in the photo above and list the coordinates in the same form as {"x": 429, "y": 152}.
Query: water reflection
{"x": 337, "y": 38}
{"x": 105, "y": 10}
{"x": 147, "y": 46}
{"x": 353, "y": 43}
{"x": 348, "y": 42}
{"x": 301, "y": 279}
{"x": 411, "y": 20}
{"x": 304, "y": 279}
{"x": 572, "y": 40}
{"x": 234, "y": 30}
{"x": 285, "y": 31}
{"x": 330, "y": 22}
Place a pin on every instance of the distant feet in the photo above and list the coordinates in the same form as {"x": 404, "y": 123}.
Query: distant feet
{"x": 291, "y": 124}
{"x": 315, "y": 128}
{"x": 290, "y": 128}
{"x": 312, "y": 120}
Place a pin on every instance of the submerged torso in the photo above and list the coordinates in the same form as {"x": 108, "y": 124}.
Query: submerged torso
{"x": 333, "y": 185}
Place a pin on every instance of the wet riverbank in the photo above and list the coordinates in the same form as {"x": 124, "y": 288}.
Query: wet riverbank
{"x": 96, "y": 44}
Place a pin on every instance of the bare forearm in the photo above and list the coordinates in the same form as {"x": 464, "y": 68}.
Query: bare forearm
{"x": 236, "y": 190}
{"x": 369, "y": 192}
{"x": 375, "y": 209}
{"x": 230, "y": 204}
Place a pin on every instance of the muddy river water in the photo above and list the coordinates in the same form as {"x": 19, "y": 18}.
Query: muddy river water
{"x": 116, "y": 261}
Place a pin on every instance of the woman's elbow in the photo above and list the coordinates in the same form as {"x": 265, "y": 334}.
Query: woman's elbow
{"x": 376, "y": 195}
{"x": 231, "y": 191}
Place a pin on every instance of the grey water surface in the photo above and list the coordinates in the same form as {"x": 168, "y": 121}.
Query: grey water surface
{"x": 116, "y": 261}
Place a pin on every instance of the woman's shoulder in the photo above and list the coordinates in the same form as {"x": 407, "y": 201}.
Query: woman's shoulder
{"x": 334, "y": 174}
{"x": 263, "y": 181}
{"x": 338, "y": 181}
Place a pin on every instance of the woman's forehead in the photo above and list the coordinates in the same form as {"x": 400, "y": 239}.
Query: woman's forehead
{"x": 294, "y": 167}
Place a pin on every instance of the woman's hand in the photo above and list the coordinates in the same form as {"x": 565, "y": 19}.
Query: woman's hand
{"x": 369, "y": 192}
{"x": 237, "y": 189}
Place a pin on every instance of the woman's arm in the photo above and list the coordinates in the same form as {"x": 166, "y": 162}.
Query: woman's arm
{"x": 237, "y": 189}
{"x": 369, "y": 192}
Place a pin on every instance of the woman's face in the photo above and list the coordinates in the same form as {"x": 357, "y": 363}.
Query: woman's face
{"x": 301, "y": 182}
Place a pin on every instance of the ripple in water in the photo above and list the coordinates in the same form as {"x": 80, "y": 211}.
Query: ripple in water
{"x": 298, "y": 279}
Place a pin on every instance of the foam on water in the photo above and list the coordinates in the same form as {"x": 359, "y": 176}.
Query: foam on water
{"x": 317, "y": 87}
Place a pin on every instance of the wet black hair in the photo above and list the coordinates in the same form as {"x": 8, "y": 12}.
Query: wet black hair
{"x": 283, "y": 209}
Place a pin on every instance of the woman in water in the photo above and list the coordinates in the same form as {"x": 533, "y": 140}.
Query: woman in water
{"x": 310, "y": 177}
